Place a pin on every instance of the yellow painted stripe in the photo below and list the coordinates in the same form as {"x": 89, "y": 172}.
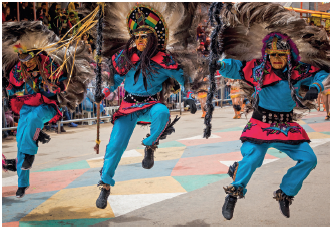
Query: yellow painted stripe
{"x": 152, "y": 20}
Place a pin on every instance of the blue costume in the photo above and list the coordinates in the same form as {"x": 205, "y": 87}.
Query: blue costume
{"x": 278, "y": 80}
{"x": 275, "y": 98}
{"x": 271, "y": 126}
{"x": 36, "y": 105}
{"x": 155, "y": 113}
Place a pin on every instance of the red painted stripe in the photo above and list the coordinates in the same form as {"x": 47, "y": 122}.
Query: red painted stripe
{"x": 36, "y": 134}
{"x": 154, "y": 16}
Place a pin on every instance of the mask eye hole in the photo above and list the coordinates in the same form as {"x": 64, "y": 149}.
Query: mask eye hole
{"x": 273, "y": 55}
{"x": 281, "y": 55}
{"x": 142, "y": 36}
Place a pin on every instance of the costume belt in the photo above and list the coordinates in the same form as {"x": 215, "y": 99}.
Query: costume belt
{"x": 268, "y": 116}
{"x": 130, "y": 98}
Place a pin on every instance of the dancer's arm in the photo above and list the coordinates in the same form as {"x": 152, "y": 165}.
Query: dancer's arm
{"x": 177, "y": 75}
{"x": 315, "y": 83}
{"x": 316, "y": 80}
{"x": 117, "y": 81}
{"x": 230, "y": 68}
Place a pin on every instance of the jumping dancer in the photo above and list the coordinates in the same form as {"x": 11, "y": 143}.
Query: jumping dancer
{"x": 36, "y": 86}
{"x": 276, "y": 75}
{"x": 150, "y": 72}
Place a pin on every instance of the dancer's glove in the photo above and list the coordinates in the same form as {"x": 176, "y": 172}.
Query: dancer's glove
{"x": 104, "y": 94}
{"x": 215, "y": 66}
{"x": 311, "y": 94}
{"x": 192, "y": 105}
{"x": 99, "y": 98}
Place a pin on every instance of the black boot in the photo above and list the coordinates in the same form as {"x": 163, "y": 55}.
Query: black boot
{"x": 284, "y": 202}
{"x": 228, "y": 207}
{"x": 148, "y": 160}
{"x": 230, "y": 201}
{"x": 21, "y": 192}
{"x": 102, "y": 201}
{"x": 43, "y": 138}
{"x": 10, "y": 165}
{"x": 28, "y": 161}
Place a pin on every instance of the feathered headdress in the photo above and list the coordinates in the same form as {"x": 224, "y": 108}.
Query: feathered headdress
{"x": 248, "y": 27}
{"x": 246, "y": 24}
{"x": 174, "y": 23}
{"x": 241, "y": 34}
{"x": 34, "y": 38}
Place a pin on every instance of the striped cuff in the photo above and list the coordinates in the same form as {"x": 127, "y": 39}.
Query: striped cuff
{"x": 222, "y": 65}
{"x": 318, "y": 86}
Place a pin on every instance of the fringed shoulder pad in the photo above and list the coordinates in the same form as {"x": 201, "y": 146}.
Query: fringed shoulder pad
{"x": 303, "y": 71}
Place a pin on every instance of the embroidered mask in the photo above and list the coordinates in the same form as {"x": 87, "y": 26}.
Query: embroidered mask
{"x": 278, "y": 51}
{"x": 141, "y": 40}
{"x": 31, "y": 64}
{"x": 278, "y": 60}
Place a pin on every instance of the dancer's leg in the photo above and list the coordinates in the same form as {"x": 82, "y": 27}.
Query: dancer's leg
{"x": 120, "y": 135}
{"x": 253, "y": 156}
{"x": 31, "y": 122}
{"x": 306, "y": 161}
{"x": 326, "y": 104}
{"x": 159, "y": 116}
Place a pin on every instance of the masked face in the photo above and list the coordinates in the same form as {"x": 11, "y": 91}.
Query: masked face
{"x": 31, "y": 64}
{"x": 278, "y": 60}
{"x": 141, "y": 40}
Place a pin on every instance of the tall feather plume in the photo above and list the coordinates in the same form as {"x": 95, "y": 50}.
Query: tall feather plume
{"x": 251, "y": 22}
{"x": 181, "y": 18}
{"x": 248, "y": 23}
{"x": 34, "y": 35}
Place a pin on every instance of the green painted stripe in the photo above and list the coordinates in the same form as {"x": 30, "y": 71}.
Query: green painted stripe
{"x": 230, "y": 129}
{"x": 63, "y": 223}
{"x": 328, "y": 133}
{"x": 193, "y": 182}
{"x": 75, "y": 165}
{"x": 150, "y": 23}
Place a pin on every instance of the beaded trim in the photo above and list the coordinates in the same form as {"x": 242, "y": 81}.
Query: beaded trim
{"x": 162, "y": 42}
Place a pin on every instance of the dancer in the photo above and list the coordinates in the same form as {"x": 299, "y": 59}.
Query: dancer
{"x": 36, "y": 86}
{"x": 326, "y": 102}
{"x": 150, "y": 73}
{"x": 236, "y": 97}
{"x": 202, "y": 94}
{"x": 276, "y": 75}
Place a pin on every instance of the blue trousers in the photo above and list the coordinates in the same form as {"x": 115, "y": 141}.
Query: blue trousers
{"x": 253, "y": 156}
{"x": 122, "y": 130}
{"x": 31, "y": 122}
